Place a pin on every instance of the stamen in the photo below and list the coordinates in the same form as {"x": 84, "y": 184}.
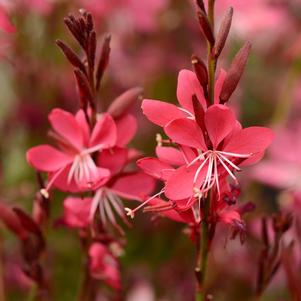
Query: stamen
{"x": 212, "y": 177}
{"x": 201, "y": 156}
{"x": 227, "y": 169}
{"x": 45, "y": 191}
{"x": 159, "y": 207}
{"x": 160, "y": 140}
{"x": 236, "y": 155}
{"x": 200, "y": 168}
{"x": 131, "y": 212}
{"x": 83, "y": 168}
{"x": 230, "y": 162}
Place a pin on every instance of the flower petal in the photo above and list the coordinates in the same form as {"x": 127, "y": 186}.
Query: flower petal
{"x": 250, "y": 140}
{"x": 155, "y": 168}
{"x": 65, "y": 124}
{"x": 219, "y": 121}
{"x": 186, "y": 132}
{"x": 219, "y": 84}
{"x": 189, "y": 85}
{"x": 113, "y": 159}
{"x": 126, "y": 129}
{"x": 180, "y": 184}
{"x": 47, "y": 158}
{"x": 160, "y": 112}
{"x": 134, "y": 185}
{"x": 170, "y": 155}
{"x": 5, "y": 23}
{"x": 77, "y": 211}
{"x": 84, "y": 126}
{"x": 104, "y": 133}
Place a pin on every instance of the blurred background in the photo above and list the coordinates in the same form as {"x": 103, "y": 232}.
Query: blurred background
{"x": 151, "y": 41}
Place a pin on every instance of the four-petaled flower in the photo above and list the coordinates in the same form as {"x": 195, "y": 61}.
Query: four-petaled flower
{"x": 72, "y": 167}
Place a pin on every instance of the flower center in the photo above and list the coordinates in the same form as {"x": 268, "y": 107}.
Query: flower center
{"x": 213, "y": 159}
{"x": 83, "y": 170}
{"x": 108, "y": 204}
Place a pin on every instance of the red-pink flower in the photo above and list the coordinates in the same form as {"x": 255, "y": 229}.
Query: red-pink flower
{"x": 219, "y": 146}
{"x": 209, "y": 150}
{"x": 104, "y": 266}
{"x": 5, "y": 23}
{"x": 77, "y": 212}
{"x": 162, "y": 113}
{"x": 107, "y": 200}
{"x": 72, "y": 167}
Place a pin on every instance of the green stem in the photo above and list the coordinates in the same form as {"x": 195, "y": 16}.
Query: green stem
{"x": 2, "y": 289}
{"x": 33, "y": 293}
{"x": 202, "y": 253}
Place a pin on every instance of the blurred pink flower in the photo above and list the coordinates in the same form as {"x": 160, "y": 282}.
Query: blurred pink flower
{"x": 256, "y": 16}
{"x": 104, "y": 266}
{"x": 5, "y": 23}
{"x": 283, "y": 168}
{"x": 128, "y": 14}
{"x": 77, "y": 212}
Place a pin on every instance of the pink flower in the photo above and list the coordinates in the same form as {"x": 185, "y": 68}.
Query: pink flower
{"x": 106, "y": 203}
{"x": 255, "y": 17}
{"x": 77, "y": 212}
{"x": 122, "y": 183}
{"x": 72, "y": 167}
{"x": 161, "y": 113}
{"x": 209, "y": 150}
{"x": 5, "y": 23}
{"x": 128, "y": 14}
{"x": 104, "y": 266}
{"x": 219, "y": 147}
{"x": 282, "y": 169}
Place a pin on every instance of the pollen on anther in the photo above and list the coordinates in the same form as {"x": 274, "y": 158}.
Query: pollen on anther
{"x": 44, "y": 193}
{"x": 129, "y": 212}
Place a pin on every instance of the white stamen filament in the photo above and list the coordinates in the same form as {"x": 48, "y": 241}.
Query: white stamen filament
{"x": 107, "y": 203}
{"x": 212, "y": 158}
{"x": 131, "y": 212}
{"x": 83, "y": 169}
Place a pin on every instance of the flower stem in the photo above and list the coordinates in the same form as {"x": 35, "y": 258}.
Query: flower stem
{"x": 211, "y": 58}
{"x": 203, "y": 247}
{"x": 2, "y": 289}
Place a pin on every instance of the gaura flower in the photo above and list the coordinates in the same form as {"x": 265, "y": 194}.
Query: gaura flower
{"x": 161, "y": 113}
{"x": 220, "y": 147}
{"x": 122, "y": 183}
{"x": 207, "y": 155}
{"x": 106, "y": 202}
{"x": 72, "y": 166}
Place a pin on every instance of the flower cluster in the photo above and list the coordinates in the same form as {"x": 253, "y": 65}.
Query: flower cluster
{"x": 91, "y": 159}
{"x": 206, "y": 144}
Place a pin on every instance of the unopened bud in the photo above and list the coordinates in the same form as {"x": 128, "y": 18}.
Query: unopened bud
{"x": 123, "y": 102}
{"x": 223, "y": 32}
{"x": 235, "y": 72}
{"x": 206, "y": 27}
